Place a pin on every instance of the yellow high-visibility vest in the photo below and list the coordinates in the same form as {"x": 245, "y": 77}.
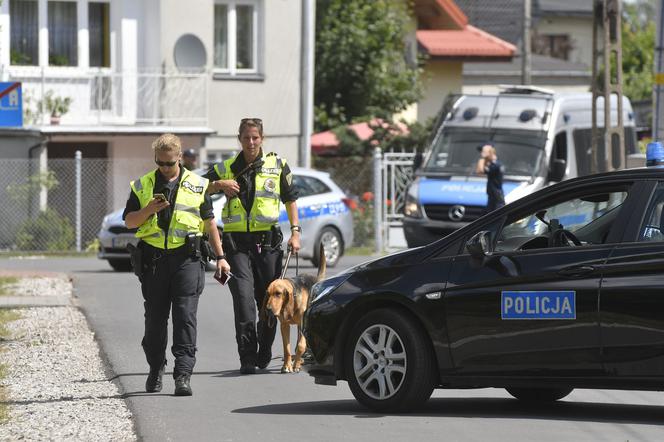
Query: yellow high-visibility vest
{"x": 264, "y": 212}
{"x": 186, "y": 213}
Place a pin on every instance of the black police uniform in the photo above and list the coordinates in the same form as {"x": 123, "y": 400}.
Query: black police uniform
{"x": 171, "y": 278}
{"x": 256, "y": 261}
{"x": 494, "y": 185}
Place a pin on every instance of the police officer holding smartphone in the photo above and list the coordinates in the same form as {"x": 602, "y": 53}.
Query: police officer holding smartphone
{"x": 171, "y": 208}
{"x": 254, "y": 185}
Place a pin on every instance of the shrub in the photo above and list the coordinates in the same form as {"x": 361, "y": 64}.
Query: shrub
{"x": 49, "y": 231}
{"x": 363, "y": 221}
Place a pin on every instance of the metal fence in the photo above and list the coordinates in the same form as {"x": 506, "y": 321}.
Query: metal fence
{"x": 59, "y": 205}
{"x": 378, "y": 181}
{"x": 57, "y": 208}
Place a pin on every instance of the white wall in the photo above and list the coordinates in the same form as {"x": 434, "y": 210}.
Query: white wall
{"x": 440, "y": 79}
{"x": 580, "y": 31}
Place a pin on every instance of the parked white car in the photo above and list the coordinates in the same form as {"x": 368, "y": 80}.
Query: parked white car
{"x": 323, "y": 209}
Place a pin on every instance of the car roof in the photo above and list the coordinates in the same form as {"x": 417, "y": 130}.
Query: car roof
{"x": 309, "y": 172}
{"x": 640, "y": 173}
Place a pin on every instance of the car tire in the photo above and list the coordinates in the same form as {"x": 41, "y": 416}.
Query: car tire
{"x": 334, "y": 246}
{"x": 120, "y": 265}
{"x": 399, "y": 384}
{"x": 539, "y": 394}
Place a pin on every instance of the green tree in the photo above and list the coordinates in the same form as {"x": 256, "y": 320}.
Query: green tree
{"x": 362, "y": 68}
{"x": 638, "y": 48}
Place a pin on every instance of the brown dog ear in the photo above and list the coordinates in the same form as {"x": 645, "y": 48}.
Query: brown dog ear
{"x": 288, "y": 310}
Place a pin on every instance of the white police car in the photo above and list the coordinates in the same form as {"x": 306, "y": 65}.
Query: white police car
{"x": 323, "y": 210}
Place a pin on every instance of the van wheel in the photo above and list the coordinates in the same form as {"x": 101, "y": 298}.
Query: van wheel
{"x": 389, "y": 363}
{"x": 539, "y": 394}
{"x": 120, "y": 265}
{"x": 334, "y": 247}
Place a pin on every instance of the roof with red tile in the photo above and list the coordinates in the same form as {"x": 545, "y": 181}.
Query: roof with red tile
{"x": 469, "y": 42}
{"x": 327, "y": 142}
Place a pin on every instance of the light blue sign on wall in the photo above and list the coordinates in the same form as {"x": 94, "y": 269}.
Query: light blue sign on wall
{"x": 11, "y": 104}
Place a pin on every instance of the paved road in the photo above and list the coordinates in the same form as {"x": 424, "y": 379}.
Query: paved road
{"x": 276, "y": 407}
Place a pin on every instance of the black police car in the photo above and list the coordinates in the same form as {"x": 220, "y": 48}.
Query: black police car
{"x": 562, "y": 289}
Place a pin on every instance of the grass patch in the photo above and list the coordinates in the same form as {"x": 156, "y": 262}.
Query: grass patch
{"x": 4, "y": 282}
{"x": 6, "y": 316}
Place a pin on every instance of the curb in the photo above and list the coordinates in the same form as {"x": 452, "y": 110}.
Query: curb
{"x": 18, "y": 301}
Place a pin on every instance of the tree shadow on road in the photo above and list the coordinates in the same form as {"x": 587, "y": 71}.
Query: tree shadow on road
{"x": 490, "y": 408}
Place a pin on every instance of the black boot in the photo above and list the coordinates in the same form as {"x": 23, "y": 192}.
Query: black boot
{"x": 263, "y": 358}
{"x": 153, "y": 383}
{"x": 182, "y": 385}
{"x": 247, "y": 368}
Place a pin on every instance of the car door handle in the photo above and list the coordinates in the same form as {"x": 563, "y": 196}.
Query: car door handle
{"x": 576, "y": 271}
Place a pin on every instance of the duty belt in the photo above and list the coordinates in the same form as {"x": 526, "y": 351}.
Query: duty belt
{"x": 156, "y": 252}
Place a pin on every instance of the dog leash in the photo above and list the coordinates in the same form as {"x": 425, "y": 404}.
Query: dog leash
{"x": 297, "y": 263}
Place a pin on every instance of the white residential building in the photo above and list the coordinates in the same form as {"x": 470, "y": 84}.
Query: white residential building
{"x": 133, "y": 69}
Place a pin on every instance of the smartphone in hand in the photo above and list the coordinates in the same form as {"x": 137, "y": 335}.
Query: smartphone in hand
{"x": 159, "y": 196}
{"x": 222, "y": 277}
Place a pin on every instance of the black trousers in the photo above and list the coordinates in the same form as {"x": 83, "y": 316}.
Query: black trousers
{"x": 253, "y": 271}
{"x": 495, "y": 202}
{"x": 172, "y": 282}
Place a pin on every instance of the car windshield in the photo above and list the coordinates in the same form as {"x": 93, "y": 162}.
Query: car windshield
{"x": 455, "y": 150}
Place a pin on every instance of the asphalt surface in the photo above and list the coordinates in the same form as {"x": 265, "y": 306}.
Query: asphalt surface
{"x": 283, "y": 407}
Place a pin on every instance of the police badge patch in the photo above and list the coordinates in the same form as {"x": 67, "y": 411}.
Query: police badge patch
{"x": 289, "y": 179}
{"x": 270, "y": 185}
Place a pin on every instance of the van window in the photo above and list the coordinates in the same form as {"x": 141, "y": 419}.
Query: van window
{"x": 455, "y": 150}
{"x": 583, "y": 146}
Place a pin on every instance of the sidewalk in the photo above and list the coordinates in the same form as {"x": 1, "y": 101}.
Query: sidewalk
{"x": 56, "y": 386}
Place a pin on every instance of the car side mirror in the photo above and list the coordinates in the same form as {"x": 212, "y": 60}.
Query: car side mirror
{"x": 479, "y": 245}
{"x": 557, "y": 172}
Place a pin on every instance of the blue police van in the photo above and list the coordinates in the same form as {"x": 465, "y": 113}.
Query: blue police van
{"x": 541, "y": 137}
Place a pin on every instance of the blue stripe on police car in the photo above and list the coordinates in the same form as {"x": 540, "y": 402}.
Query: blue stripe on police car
{"x": 538, "y": 305}
{"x": 316, "y": 210}
{"x": 469, "y": 193}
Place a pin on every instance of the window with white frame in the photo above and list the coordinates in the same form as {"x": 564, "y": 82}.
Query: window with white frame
{"x": 63, "y": 26}
{"x": 62, "y": 34}
{"x": 24, "y": 41}
{"x": 236, "y": 36}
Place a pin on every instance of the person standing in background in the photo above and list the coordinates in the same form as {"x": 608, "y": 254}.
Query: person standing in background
{"x": 489, "y": 165}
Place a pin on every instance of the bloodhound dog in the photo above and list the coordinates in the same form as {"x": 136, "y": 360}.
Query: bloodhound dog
{"x": 288, "y": 299}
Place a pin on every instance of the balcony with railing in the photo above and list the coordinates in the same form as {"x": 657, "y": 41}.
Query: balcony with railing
{"x": 101, "y": 97}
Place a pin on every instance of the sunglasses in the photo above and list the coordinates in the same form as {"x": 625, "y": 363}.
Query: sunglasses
{"x": 165, "y": 163}
{"x": 255, "y": 120}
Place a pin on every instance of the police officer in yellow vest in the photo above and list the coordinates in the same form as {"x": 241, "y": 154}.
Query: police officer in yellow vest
{"x": 171, "y": 208}
{"x": 254, "y": 185}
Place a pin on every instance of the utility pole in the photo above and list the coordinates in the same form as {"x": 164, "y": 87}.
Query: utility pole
{"x": 525, "y": 47}
{"x": 607, "y": 27}
{"x": 307, "y": 80}
{"x": 658, "y": 108}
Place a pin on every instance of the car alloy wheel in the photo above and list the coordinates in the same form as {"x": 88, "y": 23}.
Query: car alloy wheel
{"x": 379, "y": 362}
{"x": 388, "y": 361}
{"x": 333, "y": 245}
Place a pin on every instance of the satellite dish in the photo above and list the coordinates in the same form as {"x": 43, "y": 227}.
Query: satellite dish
{"x": 189, "y": 52}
